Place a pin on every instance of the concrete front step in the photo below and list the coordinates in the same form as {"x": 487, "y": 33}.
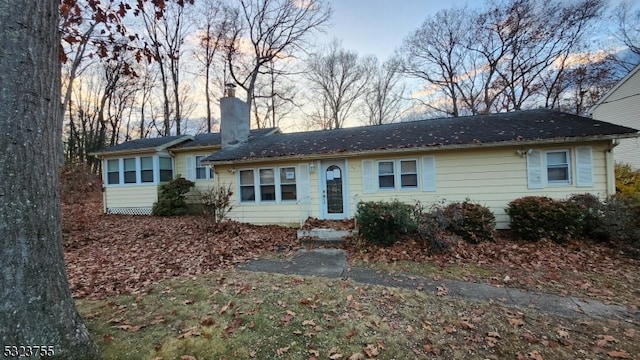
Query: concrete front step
{"x": 324, "y": 235}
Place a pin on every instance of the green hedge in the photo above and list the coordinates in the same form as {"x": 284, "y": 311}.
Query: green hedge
{"x": 171, "y": 198}
{"x": 382, "y": 222}
{"x": 473, "y": 222}
{"x": 536, "y": 217}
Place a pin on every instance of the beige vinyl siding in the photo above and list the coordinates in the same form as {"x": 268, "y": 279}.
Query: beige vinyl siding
{"x": 180, "y": 165}
{"x": 492, "y": 177}
{"x": 622, "y": 107}
{"x": 284, "y": 212}
{"x": 138, "y": 196}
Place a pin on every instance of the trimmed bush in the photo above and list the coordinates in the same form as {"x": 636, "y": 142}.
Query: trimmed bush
{"x": 534, "y": 218}
{"x": 382, "y": 222}
{"x": 171, "y": 198}
{"x": 473, "y": 222}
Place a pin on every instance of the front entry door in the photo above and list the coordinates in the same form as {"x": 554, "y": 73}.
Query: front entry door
{"x": 334, "y": 205}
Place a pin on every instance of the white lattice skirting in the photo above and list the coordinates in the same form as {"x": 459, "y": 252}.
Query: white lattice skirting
{"x": 129, "y": 211}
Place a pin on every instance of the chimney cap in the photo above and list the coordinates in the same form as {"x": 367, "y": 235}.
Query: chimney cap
{"x": 231, "y": 89}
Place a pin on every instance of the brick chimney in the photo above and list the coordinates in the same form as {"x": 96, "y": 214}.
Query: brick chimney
{"x": 234, "y": 118}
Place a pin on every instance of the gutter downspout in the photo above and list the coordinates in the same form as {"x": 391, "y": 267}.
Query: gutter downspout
{"x": 609, "y": 162}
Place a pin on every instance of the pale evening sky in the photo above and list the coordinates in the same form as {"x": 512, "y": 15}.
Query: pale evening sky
{"x": 378, "y": 27}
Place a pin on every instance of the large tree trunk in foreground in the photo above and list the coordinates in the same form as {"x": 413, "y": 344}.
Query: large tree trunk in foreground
{"x": 36, "y": 308}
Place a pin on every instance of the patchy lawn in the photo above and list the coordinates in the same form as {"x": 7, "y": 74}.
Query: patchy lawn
{"x": 240, "y": 315}
{"x": 165, "y": 288}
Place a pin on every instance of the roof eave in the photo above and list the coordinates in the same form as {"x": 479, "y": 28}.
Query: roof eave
{"x": 424, "y": 148}
{"x": 197, "y": 148}
{"x": 104, "y": 154}
{"x": 174, "y": 142}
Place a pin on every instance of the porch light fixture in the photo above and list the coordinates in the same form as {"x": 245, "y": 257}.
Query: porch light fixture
{"x": 312, "y": 167}
{"x": 232, "y": 171}
{"x": 523, "y": 153}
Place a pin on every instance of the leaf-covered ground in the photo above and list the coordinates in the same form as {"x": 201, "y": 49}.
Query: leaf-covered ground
{"x": 117, "y": 254}
{"x": 164, "y": 288}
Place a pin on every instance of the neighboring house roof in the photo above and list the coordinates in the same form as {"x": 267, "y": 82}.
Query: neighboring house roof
{"x": 612, "y": 91}
{"x": 518, "y": 127}
{"x": 179, "y": 142}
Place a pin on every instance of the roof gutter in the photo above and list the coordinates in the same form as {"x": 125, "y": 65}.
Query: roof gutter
{"x": 347, "y": 154}
{"x": 104, "y": 154}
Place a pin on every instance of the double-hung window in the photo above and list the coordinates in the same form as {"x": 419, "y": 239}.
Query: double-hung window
{"x": 389, "y": 176}
{"x": 113, "y": 172}
{"x": 247, "y": 186}
{"x": 386, "y": 175}
{"x": 146, "y": 169}
{"x": 166, "y": 169}
{"x": 130, "y": 171}
{"x": 267, "y": 185}
{"x": 202, "y": 172}
{"x": 409, "y": 174}
{"x": 558, "y": 168}
{"x": 288, "y": 183}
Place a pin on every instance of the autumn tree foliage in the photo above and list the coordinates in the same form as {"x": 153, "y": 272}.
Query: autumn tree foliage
{"x": 97, "y": 32}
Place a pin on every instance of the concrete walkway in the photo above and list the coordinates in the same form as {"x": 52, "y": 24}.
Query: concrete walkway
{"x": 332, "y": 263}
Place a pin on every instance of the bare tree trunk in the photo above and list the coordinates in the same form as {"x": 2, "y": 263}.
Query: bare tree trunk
{"x": 36, "y": 307}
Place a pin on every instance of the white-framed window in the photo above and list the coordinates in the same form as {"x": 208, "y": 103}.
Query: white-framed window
{"x": 166, "y": 169}
{"x": 138, "y": 170}
{"x": 267, "y": 185}
{"x": 202, "y": 172}
{"x": 277, "y": 184}
{"x": 113, "y": 172}
{"x": 130, "y": 171}
{"x": 146, "y": 169}
{"x": 288, "y": 184}
{"x": 386, "y": 175}
{"x": 409, "y": 174}
{"x": 398, "y": 174}
{"x": 247, "y": 186}
{"x": 558, "y": 164}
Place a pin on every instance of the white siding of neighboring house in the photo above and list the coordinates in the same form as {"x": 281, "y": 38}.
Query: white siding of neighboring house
{"x": 492, "y": 177}
{"x": 622, "y": 106}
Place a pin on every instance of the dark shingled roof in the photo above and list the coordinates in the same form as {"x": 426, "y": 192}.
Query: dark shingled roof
{"x": 142, "y": 144}
{"x": 529, "y": 125}
{"x": 214, "y": 138}
{"x": 188, "y": 141}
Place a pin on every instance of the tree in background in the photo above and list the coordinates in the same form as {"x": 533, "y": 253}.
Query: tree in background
{"x": 628, "y": 30}
{"x": 36, "y": 307}
{"x": 493, "y": 60}
{"x": 164, "y": 46}
{"x": 339, "y": 79}
{"x": 385, "y": 93}
{"x": 217, "y": 21}
{"x": 270, "y": 30}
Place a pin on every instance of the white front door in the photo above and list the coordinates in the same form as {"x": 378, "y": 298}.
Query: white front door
{"x": 334, "y": 189}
